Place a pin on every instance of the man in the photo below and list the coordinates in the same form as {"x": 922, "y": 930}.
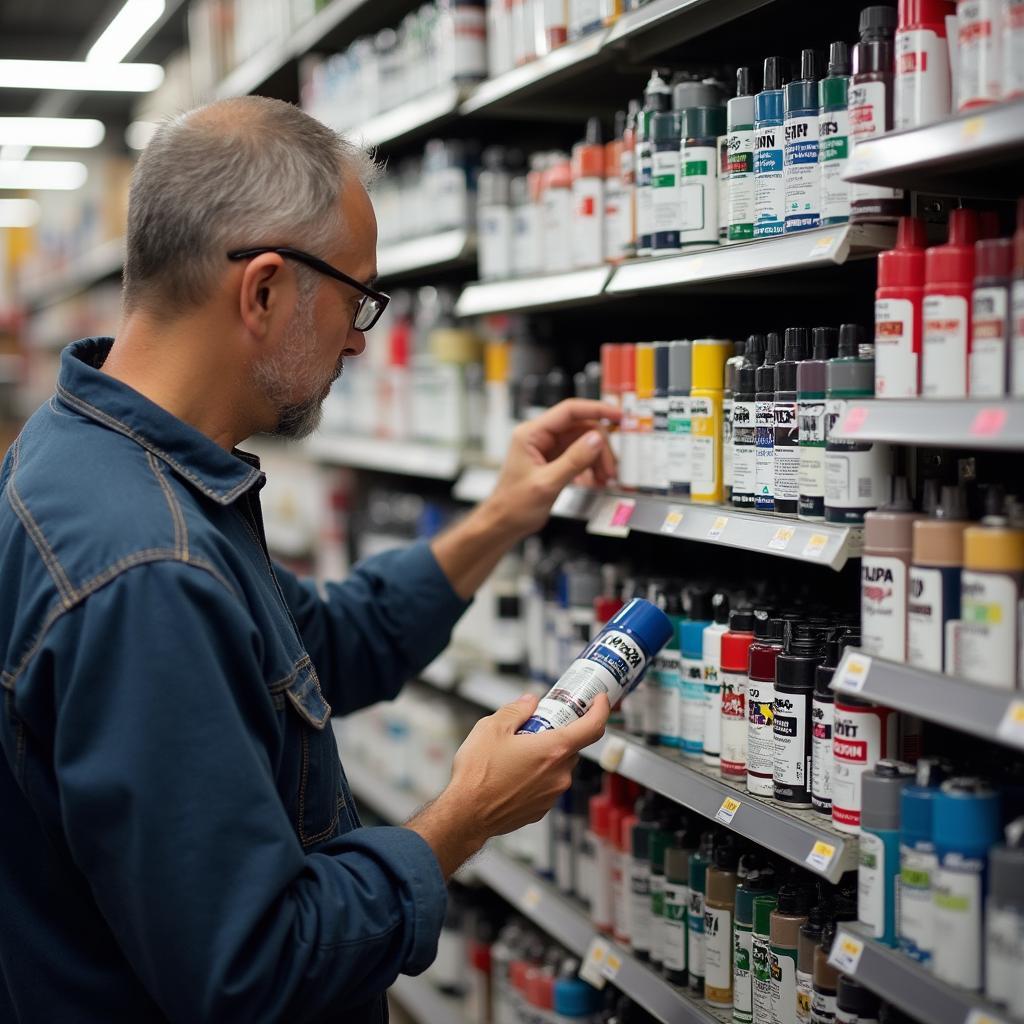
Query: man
{"x": 179, "y": 838}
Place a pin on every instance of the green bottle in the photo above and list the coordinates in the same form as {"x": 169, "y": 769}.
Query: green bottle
{"x": 699, "y": 864}
{"x": 760, "y": 880}
{"x": 677, "y": 897}
{"x": 760, "y": 967}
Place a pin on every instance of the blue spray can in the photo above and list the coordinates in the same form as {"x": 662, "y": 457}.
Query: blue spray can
{"x": 800, "y": 174}
{"x": 691, "y": 670}
{"x": 769, "y": 186}
{"x": 613, "y": 663}
{"x": 966, "y": 824}
{"x": 915, "y": 919}
{"x": 879, "y": 864}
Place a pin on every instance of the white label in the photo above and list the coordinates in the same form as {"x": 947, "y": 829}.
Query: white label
{"x": 871, "y": 883}
{"x": 725, "y": 813}
{"x": 958, "y": 918}
{"x": 1003, "y": 948}
{"x": 988, "y": 630}
{"x": 741, "y": 994}
{"x": 822, "y": 719}
{"x": 860, "y": 737}
{"x": 883, "y": 607}
{"x": 673, "y": 950}
{"x": 944, "y": 347}
{"x": 644, "y": 210}
{"x": 494, "y": 226}
{"x": 760, "y": 738}
{"x": 1011, "y": 725}
{"x": 789, "y": 727}
{"x": 704, "y": 446}
{"x": 717, "y": 948}
{"x": 782, "y": 536}
{"x": 591, "y": 970}
{"x": 846, "y": 954}
{"x": 816, "y": 544}
{"x": 811, "y": 473}
{"x": 734, "y": 723}
{"x": 640, "y": 894}
{"x": 616, "y": 217}
{"x": 925, "y": 619}
{"x": 783, "y": 970}
{"x": 852, "y": 673}
{"x": 764, "y": 413}
{"x": 804, "y": 996}
{"x": 691, "y": 675}
{"x": 680, "y": 448}
{"x": 915, "y": 923}
{"x": 802, "y": 187}
{"x": 988, "y": 359}
{"x": 895, "y": 358}
{"x": 979, "y": 53}
{"x": 823, "y": 1008}
{"x": 1013, "y": 64}
{"x": 821, "y": 856}
{"x": 727, "y": 405}
{"x": 718, "y": 527}
{"x": 866, "y": 105}
{"x": 744, "y": 448}
{"x": 921, "y": 89}
{"x": 786, "y": 452}
{"x": 587, "y": 222}
{"x": 769, "y": 181}
{"x": 856, "y": 479}
{"x": 695, "y": 947}
{"x": 741, "y": 184}
{"x": 666, "y": 198}
{"x": 699, "y": 195}
{"x": 761, "y": 984}
{"x": 665, "y": 669}
{"x": 833, "y": 155}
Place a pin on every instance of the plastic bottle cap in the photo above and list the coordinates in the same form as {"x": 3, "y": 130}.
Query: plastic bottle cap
{"x": 993, "y": 257}
{"x": 644, "y": 369}
{"x": 838, "y": 59}
{"x": 851, "y": 338}
{"x": 755, "y": 350}
{"x": 772, "y": 73}
{"x": 929, "y": 14}
{"x": 966, "y": 814}
{"x": 611, "y": 368}
{"x": 599, "y": 811}
{"x": 794, "y": 901}
{"x": 680, "y": 366}
{"x": 881, "y": 793}
{"x": 994, "y": 549}
{"x": 649, "y": 624}
{"x": 762, "y": 623}
{"x": 741, "y": 620}
{"x": 764, "y": 906}
{"x": 704, "y": 122}
{"x": 575, "y": 998}
{"x": 627, "y": 366}
{"x": 720, "y": 608}
{"x": 709, "y": 356}
{"x": 877, "y": 21}
{"x": 953, "y": 263}
{"x": 661, "y": 367}
{"x": 903, "y": 266}
{"x": 825, "y": 343}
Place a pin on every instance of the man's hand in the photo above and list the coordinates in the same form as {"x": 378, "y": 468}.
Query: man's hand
{"x": 501, "y": 781}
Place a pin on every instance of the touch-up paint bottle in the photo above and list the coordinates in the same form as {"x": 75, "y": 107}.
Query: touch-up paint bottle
{"x": 691, "y": 670}
{"x": 938, "y": 559}
{"x": 915, "y": 916}
{"x": 700, "y": 861}
{"x": 719, "y": 911}
{"x": 709, "y": 356}
{"x": 702, "y": 127}
{"x": 732, "y": 367}
{"x": 801, "y": 174}
{"x": 879, "y": 847}
{"x": 870, "y": 98}
{"x": 898, "y": 313}
{"x": 657, "y": 99}
{"x": 855, "y": 1004}
{"x": 744, "y": 425}
{"x": 834, "y": 136}
{"x": 966, "y": 825}
{"x": 645, "y": 415}
{"x": 856, "y": 472}
{"x": 823, "y": 713}
{"x": 1017, "y": 298}
{"x": 990, "y": 593}
{"x": 1004, "y": 921}
{"x": 616, "y": 201}
{"x": 769, "y": 154}
{"x": 588, "y": 197}
{"x": 629, "y": 438}
{"x": 680, "y": 441}
{"x": 949, "y": 281}
{"x": 660, "y": 839}
{"x": 627, "y": 172}
{"x": 811, "y": 387}
{"x": 786, "y": 438}
{"x": 759, "y": 881}
{"x": 764, "y": 652}
{"x": 494, "y": 216}
{"x": 760, "y": 959}
{"x": 740, "y": 143}
{"x": 885, "y": 565}
{"x": 989, "y": 361}
{"x": 612, "y": 664}
{"x": 712, "y": 655}
{"x": 659, "y": 444}
{"x": 980, "y": 63}
{"x": 808, "y": 941}
{"x": 764, "y": 415}
{"x": 862, "y": 734}
{"x": 666, "y": 670}
{"x": 640, "y": 875}
{"x": 921, "y": 90}
{"x": 789, "y": 915}
{"x": 666, "y": 184}
{"x": 735, "y": 659}
{"x": 676, "y": 932}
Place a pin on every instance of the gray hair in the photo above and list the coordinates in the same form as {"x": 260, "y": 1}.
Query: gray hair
{"x": 239, "y": 173}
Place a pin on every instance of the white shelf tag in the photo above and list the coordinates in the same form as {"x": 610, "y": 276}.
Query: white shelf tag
{"x": 1011, "y": 726}
{"x": 846, "y": 954}
{"x": 612, "y": 754}
{"x": 718, "y": 527}
{"x": 730, "y": 805}
{"x": 780, "y": 541}
{"x": 592, "y": 968}
{"x": 977, "y": 1016}
{"x": 820, "y": 856}
{"x": 815, "y": 545}
{"x": 853, "y": 673}
{"x": 673, "y": 519}
{"x": 822, "y": 246}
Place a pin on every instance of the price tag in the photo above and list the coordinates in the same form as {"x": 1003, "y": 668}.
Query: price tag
{"x": 972, "y": 129}
{"x": 1011, "y": 726}
{"x": 783, "y": 535}
{"x": 853, "y": 673}
{"x": 988, "y": 423}
{"x": 592, "y": 968}
{"x": 612, "y": 753}
{"x": 855, "y": 418}
{"x": 730, "y": 805}
{"x": 977, "y": 1016}
{"x": 531, "y": 898}
{"x": 720, "y": 523}
{"x": 822, "y": 245}
{"x": 612, "y": 518}
{"x": 673, "y": 520}
{"x": 815, "y": 545}
{"x": 846, "y": 953}
{"x": 612, "y": 963}
{"x": 820, "y": 856}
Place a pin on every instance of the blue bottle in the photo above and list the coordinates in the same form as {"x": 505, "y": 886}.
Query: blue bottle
{"x": 769, "y": 184}
{"x": 576, "y": 1000}
{"x": 801, "y": 174}
{"x": 697, "y": 607}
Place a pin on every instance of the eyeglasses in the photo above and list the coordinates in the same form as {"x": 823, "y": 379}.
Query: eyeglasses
{"x": 371, "y": 305}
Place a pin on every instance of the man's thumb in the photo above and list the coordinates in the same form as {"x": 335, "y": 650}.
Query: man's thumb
{"x": 511, "y": 716}
{"x": 580, "y": 455}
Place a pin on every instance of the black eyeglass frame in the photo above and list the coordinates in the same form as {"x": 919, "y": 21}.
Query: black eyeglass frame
{"x": 381, "y": 298}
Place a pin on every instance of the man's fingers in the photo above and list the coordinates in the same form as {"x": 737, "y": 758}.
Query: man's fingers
{"x": 590, "y": 728}
{"x": 571, "y": 411}
{"x": 512, "y": 716}
{"x": 583, "y": 453}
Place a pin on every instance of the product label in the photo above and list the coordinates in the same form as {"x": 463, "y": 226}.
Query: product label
{"x": 789, "y": 728}
{"x": 921, "y": 90}
{"x": 915, "y": 919}
{"x": 867, "y": 102}
{"x": 588, "y": 221}
{"x": 494, "y": 229}
{"x": 769, "y": 181}
{"x": 699, "y": 197}
{"x": 761, "y": 980}
{"x": 764, "y": 487}
{"x": 958, "y": 897}
{"x": 712, "y": 713}
{"x": 676, "y": 932}
{"x": 823, "y": 1007}
{"x": 1017, "y": 334}
{"x": 666, "y": 201}
{"x": 705, "y": 441}
{"x": 833, "y": 153}
{"x": 871, "y": 872}
{"x": 782, "y": 967}
{"x": 695, "y": 947}
{"x": 742, "y": 997}
{"x": 644, "y": 208}
{"x": 734, "y": 723}
{"x": 717, "y": 948}
{"x": 822, "y": 717}
{"x": 640, "y": 893}
{"x": 978, "y": 53}
{"x": 988, "y": 630}
{"x": 727, "y": 405}
{"x": 527, "y": 240}
{"x": 659, "y": 446}
{"x": 944, "y": 346}
{"x": 989, "y": 361}
{"x": 744, "y": 449}
{"x": 804, "y": 996}
{"x": 896, "y": 333}
{"x": 860, "y": 737}
{"x": 680, "y": 444}
{"x": 883, "y": 607}
{"x": 760, "y": 737}
{"x": 856, "y": 474}
{"x": 811, "y": 470}
{"x": 665, "y": 670}
{"x": 928, "y": 610}
{"x": 1013, "y": 48}
{"x": 786, "y": 487}
{"x": 802, "y": 184}
{"x": 558, "y": 219}
{"x": 691, "y": 671}
{"x": 741, "y": 184}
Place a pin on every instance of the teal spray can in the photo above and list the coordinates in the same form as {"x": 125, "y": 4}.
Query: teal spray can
{"x": 834, "y": 136}
{"x": 769, "y": 161}
{"x": 801, "y": 175}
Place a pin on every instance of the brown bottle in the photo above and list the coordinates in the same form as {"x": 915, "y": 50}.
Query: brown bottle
{"x": 719, "y": 909}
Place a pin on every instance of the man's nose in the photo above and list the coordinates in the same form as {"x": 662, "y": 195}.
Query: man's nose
{"x": 355, "y": 343}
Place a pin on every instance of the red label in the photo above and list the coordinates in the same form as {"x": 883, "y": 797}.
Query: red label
{"x": 988, "y": 422}
{"x": 944, "y": 326}
{"x": 845, "y": 817}
{"x": 874, "y": 592}
{"x": 587, "y": 206}
{"x": 737, "y": 768}
{"x": 854, "y": 751}
{"x": 889, "y": 327}
{"x": 975, "y": 32}
{"x": 987, "y": 328}
{"x": 734, "y": 705}
{"x": 910, "y": 63}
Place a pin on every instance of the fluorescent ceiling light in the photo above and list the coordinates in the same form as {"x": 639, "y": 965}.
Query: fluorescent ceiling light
{"x": 14, "y": 152}
{"x": 42, "y": 174}
{"x": 128, "y": 26}
{"x": 57, "y": 132}
{"x": 77, "y": 76}
{"x": 138, "y": 134}
{"x": 18, "y": 213}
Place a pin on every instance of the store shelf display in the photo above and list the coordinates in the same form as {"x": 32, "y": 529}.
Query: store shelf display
{"x": 423, "y": 1003}
{"x": 407, "y": 458}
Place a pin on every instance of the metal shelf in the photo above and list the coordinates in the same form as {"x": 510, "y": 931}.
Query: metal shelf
{"x": 424, "y": 1003}
{"x": 477, "y": 482}
{"x": 435, "y": 462}
{"x": 665, "y": 23}
{"x": 982, "y": 423}
{"x": 432, "y": 253}
{"x": 900, "y": 980}
{"x": 104, "y": 261}
{"x": 574, "y": 288}
{"x": 417, "y": 115}
{"x": 947, "y": 157}
{"x": 994, "y": 715}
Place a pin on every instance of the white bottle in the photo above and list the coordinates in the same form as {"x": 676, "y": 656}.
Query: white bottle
{"x": 979, "y": 50}
{"x": 713, "y": 679}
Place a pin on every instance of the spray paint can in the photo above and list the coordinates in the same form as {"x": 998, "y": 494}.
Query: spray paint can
{"x": 922, "y": 91}
{"x": 870, "y": 99}
{"x": 789, "y": 916}
{"x": 980, "y": 62}
{"x": 657, "y": 98}
{"x": 666, "y": 184}
{"x": 834, "y": 136}
{"x": 666, "y": 670}
{"x": 612, "y": 664}
{"x": 769, "y": 158}
{"x": 680, "y": 441}
{"x": 823, "y": 713}
{"x": 760, "y": 958}
{"x": 700, "y": 861}
{"x": 879, "y": 847}
{"x": 588, "y": 197}
{"x": 744, "y": 430}
{"x": 557, "y": 213}
{"x": 786, "y": 438}
{"x": 659, "y": 442}
{"x": 808, "y": 941}
{"x": 627, "y": 172}
{"x": 732, "y": 367}
{"x": 854, "y": 1003}
{"x": 629, "y": 437}
{"x": 811, "y": 388}
{"x": 644, "y": 352}
{"x": 740, "y": 145}
{"x": 676, "y": 906}
{"x": 712, "y": 653}
{"x": 764, "y": 415}
{"x": 706, "y": 397}
{"x": 719, "y": 910}
{"x": 856, "y": 472}
{"x": 966, "y": 825}
{"x": 494, "y": 216}
{"x": 702, "y": 127}
{"x": 898, "y": 313}
{"x": 1017, "y": 299}
{"x": 938, "y": 559}
{"x": 616, "y": 203}
{"x": 1004, "y": 920}
{"x": 915, "y": 916}
{"x": 885, "y": 565}
{"x": 640, "y": 875}
{"x": 989, "y": 369}
{"x": 764, "y": 652}
{"x": 792, "y": 728}
{"x": 862, "y": 734}
{"x": 802, "y": 177}
{"x": 759, "y": 881}
{"x": 691, "y": 669}
{"x": 735, "y": 660}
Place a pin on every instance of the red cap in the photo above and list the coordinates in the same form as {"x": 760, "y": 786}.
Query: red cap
{"x": 993, "y": 257}
{"x": 559, "y": 172}
{"x": 903, "y": 267}
{"x": 613, "y": 158}
{"x": 953, "y": 263}
{"x": 605, "y": 608}
{"x": 400, "y": 343}
{"x": 626, "y": 832}
{"x": 480, "y": 957}
{"x": 540, "y": 988}
{"x": 926, "y": 13}
{"x": 1018, "y": 238}
{"x": 599, "y": 809}
{"x": 735, "y": 651}
{"x": 587, "y": 160}
{"x": 615, "y": 816}
{"x": 627, "y": 367}
{"x": 611, "y": 369}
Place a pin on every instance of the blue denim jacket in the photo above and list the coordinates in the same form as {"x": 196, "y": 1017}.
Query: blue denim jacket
{"x": 179, "y": 840}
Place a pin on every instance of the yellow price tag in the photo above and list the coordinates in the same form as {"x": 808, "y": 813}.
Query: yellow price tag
{"x": 1011, "y": 726}
{"x": 820, "y": 856}
{"x": 720, "y": 523}
{"x": 730, "y": 805}
{"x": 672, "y": 521}
{"x": 846, "y": 954}
{"x": 780, "y": 541}
{"x": 815, "y": 545}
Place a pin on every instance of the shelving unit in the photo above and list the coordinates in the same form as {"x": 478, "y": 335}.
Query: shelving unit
{"x": 435, "y": 462}
{"x": 477, "y": 482}
{"x": 92, "y": 267}
{"x": 424, "y": 1003}
{"x": 991, "y": 714}
{"x": 419, "y": 115}
{"x": 530, "y": 294}
{"x": 432, "y": 253}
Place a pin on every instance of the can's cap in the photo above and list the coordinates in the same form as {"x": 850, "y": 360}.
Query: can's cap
{"x": 680, "y": 365}
{"x": 709, "y": 356}
{"x": 704, "y": 122}
{"x": 741, "y": 620}
{"x": 720, "y": 608}
{"x": 754, "y": 353}
{"x": 877, "y": 21}
{"x": 611, "y": 368}
{"x": 797, "y": 344}
{"x": 993, "y": 257}
{"x": 903, "y": 265}
{"x": 627, "y": 366}
{"x": 745, "y": 380}
{"x": 953, "y": 263}
{"x": 825, "y": 343}
{"x": 649, "y": 624}
{"x": 995, "y": 548}
{"x": 661, "y": 361}
{"x": 838, "y": 58}
{"x": 496, "y": 360}
{"x": 852, "y": 338}
{"x": 880, "y": 795}
{"x": 854, "y": 999}
{"x": 794, "y": 900}
{"x": 575, "y": 998}
{"x": 764, "y": 906}
{"x": 966, "y": 814}
{"x": 644, "y": 369}
{"x": 930, "y": 14}
{"x": 773, "y": 70}
{"x": 743, "y": 82}
{"x": 667, "y": 126}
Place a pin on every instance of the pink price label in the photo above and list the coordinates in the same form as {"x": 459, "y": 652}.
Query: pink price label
{"x": 855, "y": 418}
{"x": 988, "y": 423}
{"x": 623, "y": 513}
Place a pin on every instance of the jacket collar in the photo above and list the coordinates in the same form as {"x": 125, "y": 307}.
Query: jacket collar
{"x": 82, "y": 387}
